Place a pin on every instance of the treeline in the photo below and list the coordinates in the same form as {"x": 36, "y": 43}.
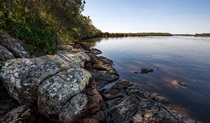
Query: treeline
{"x": 202, "y": 35}
{"x": 183, "y": 34}
{"x": 196, "y": 35}
{"x": 43, "y": 24}
{"x": 107, "y": 34}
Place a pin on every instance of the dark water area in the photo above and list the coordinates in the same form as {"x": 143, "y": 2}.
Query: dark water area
{"x": 186, "y": 59}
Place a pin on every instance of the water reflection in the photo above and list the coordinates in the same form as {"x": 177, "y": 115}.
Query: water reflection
{"x": 185, "y": 59}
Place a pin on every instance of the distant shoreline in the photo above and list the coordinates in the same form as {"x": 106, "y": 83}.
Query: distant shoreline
{"x": 109, "y": 35}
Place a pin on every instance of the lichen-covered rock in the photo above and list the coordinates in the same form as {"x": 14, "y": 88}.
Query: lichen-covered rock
{"x": 55, "y": 82}
{"x": 55, "y": 91}
{"x": 17, "y": 47}
{"x": 22, "y": 76}
{"x": 62, "y": 89}
{"x": 72, "y": 108}
{"x": 5, "y": 54}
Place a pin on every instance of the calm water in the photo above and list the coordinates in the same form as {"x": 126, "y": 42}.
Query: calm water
{"x": 186, "y": 59}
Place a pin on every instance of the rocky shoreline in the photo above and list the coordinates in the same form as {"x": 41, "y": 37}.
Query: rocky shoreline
{"x": 75, "y": 85}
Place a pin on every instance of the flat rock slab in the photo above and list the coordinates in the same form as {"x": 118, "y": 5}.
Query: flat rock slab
{"x": 127, "y": 104}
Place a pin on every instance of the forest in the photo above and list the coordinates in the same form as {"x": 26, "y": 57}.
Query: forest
{"x": 43, "y": 24}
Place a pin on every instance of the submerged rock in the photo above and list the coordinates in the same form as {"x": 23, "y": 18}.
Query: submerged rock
{"x": 146, "y": 70}
{"x": 180, "y": 83}
{"x": 15, "y": 46}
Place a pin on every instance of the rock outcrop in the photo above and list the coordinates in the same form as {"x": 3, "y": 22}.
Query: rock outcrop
{"x": 55, "y": 82}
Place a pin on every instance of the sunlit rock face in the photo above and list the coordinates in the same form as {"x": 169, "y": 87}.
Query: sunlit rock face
{"x": 54, "y": 82}
{"x": 15, "y": 46}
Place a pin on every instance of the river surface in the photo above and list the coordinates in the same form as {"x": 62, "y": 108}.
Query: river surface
{"x": 186, "y": 59}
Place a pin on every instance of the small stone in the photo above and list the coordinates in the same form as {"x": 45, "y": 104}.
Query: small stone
{"x": 146, "y": 70}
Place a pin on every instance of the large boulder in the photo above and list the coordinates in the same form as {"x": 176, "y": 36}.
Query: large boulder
{"x": 23, "y": 76}
{"x": 60, "y": 94}
{"x": 17, "y": 47}
{"x": 55, "y": 82}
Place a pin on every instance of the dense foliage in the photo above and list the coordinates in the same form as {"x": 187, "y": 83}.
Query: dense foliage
{"x": 106, "y": 34}
{"x": 43, "y": 24}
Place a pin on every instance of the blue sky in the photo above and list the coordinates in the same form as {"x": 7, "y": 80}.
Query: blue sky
{"x": 174, "y": 16}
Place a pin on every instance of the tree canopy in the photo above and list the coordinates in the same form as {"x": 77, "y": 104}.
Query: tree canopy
{"x": 43, "y": 24}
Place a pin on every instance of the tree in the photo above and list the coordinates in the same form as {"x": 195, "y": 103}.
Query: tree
{"x": 43, "y": 24}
